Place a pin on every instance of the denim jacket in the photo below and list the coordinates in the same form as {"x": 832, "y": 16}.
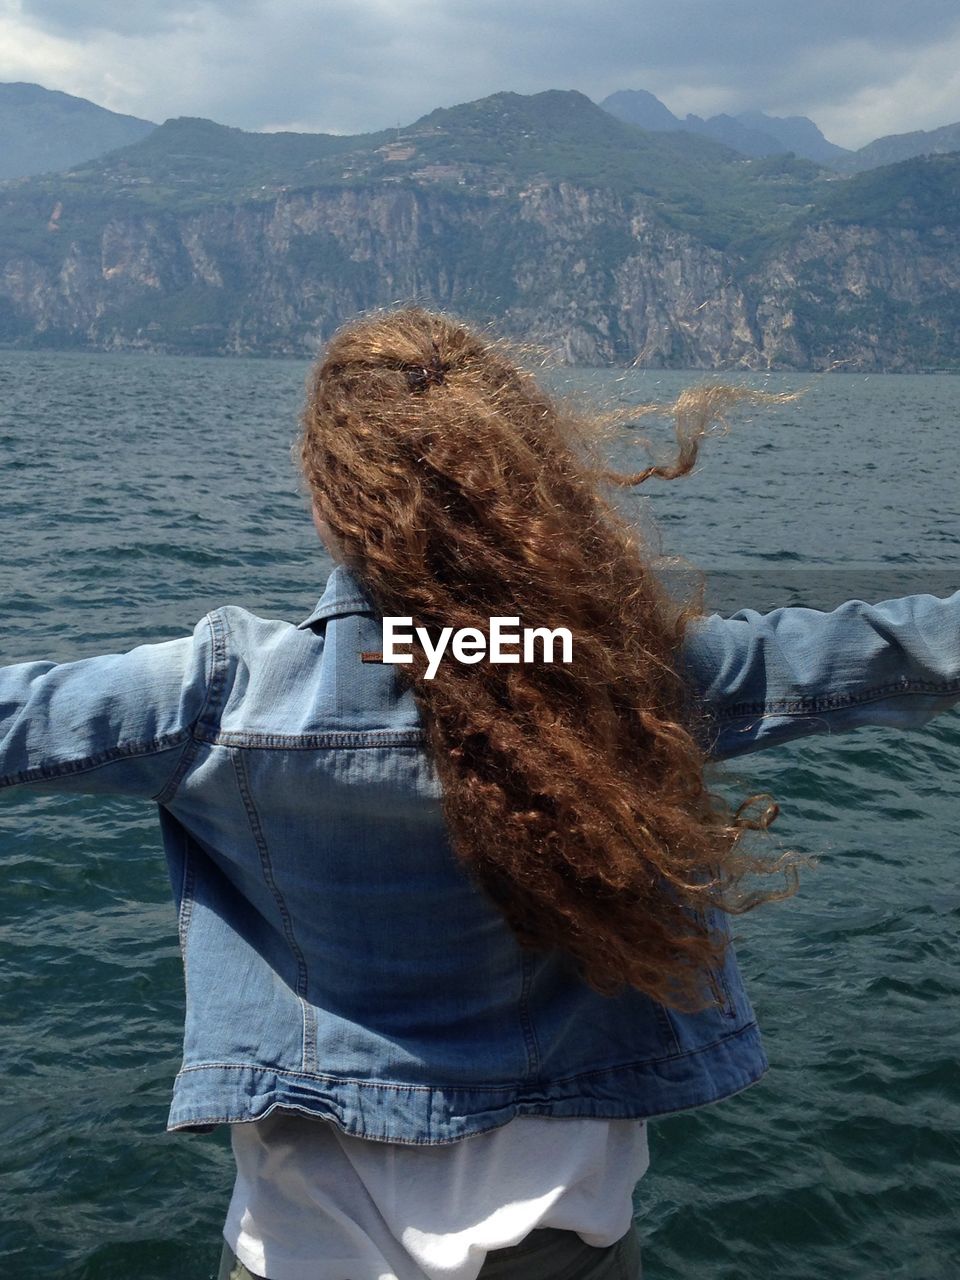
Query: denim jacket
{"x": 338, "y": 960}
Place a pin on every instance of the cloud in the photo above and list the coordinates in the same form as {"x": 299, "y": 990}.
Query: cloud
{"x": 132, "y": 18}
{"x": 355, "y": 65}
{"x": 921, "y": 92}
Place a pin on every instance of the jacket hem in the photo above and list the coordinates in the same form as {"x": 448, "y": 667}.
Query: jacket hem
{"x": 210, "y": 1094}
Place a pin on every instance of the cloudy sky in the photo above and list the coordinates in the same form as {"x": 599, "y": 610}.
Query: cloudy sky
{"x": 860, "y": 68}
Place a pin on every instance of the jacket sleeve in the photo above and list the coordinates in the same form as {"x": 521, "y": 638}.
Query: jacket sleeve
{"x": 121, "y": 723}
{"x": 762, "y": 679}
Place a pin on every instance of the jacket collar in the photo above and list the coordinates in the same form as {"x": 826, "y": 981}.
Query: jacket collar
{"x": 342, "y": 594}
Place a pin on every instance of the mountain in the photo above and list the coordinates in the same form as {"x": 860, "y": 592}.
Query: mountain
{"x": 43, "y": 130}
{"x": 922, "y": 194}
{"x": 494, "y": 146}
{"x": 901, "y": 146}
{"x": 794, "y": 133}
{"x": 732, "y": 133}
{"x": 752, "y": 133}
{"x": 869, "y": 278}
{"x": 637, "y": 106}
{"x": 543, "y": 213}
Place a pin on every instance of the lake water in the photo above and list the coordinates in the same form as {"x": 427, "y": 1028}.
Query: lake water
{"x": 139, "y": 492}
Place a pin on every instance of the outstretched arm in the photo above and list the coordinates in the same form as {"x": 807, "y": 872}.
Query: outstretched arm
{"x": 765, "y": 678}
{"x": 121, "y": 724}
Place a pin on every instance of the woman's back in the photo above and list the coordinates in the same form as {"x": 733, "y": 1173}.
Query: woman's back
{"x": 339, "y": 958}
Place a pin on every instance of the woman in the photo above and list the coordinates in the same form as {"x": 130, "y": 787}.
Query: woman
{"x": 449, "y": 939}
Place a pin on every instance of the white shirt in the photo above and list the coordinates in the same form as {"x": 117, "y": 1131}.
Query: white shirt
{"x": 311, "y": 1203}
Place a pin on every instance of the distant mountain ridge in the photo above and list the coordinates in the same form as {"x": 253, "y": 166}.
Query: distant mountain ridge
{"x": 752, "y": 133}
{"x": 798, "y": 134}
{"x": 896, "y": 147}
{"x": 46, "y": 131}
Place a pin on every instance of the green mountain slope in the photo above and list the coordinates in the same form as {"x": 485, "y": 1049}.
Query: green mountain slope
{"x": 43, "y": 131}
{"x": 917, "y": 194}
{"x": 495, "y": 145}
{"x": 699, "y": 185}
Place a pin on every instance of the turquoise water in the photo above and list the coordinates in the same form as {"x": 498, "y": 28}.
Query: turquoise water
{"x": 141, "y": 492}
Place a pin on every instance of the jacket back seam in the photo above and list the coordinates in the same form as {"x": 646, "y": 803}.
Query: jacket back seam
{"x": 531, "y": 1046}
{"x": 266, "y": 868}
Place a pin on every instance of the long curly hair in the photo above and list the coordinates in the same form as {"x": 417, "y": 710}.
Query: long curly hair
{"x": 458, "y": 490}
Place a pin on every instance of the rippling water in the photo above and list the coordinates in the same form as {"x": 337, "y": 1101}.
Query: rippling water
{"x": 141, "y": 492}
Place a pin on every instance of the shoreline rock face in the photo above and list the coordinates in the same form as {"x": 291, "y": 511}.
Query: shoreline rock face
{"x": 593, "y": 276}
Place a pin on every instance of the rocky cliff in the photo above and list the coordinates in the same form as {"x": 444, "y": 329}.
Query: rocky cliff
{"x": 594, "y": 277}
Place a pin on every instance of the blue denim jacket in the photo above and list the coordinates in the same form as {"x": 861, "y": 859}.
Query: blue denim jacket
{"x": 338, "y": 961}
